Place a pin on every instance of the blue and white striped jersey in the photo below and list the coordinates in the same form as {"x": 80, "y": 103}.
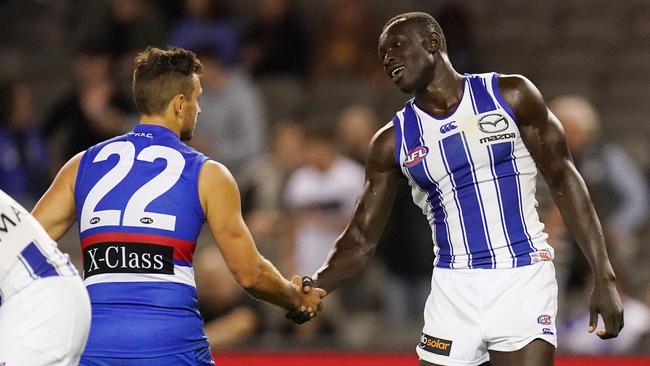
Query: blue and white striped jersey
{"x": 474, "y": 180}
{"x": 27, "y": 253}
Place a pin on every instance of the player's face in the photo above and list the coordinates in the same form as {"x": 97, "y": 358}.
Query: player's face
{"x": 192, "y": 111}
{"x": 405, "y": 57}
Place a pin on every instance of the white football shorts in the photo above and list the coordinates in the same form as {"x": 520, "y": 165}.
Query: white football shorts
{"x": 46, "y": 323}
{"x": 471, "y": 311}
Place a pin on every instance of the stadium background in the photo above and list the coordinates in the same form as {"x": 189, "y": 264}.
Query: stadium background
{"x": 289, "y": 82}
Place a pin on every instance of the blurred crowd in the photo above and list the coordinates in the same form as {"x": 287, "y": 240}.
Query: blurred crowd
{"x": 293, "y": 93}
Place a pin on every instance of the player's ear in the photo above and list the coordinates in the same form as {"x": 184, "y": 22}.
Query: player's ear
{"x": 178, "y": 103}
{"x": 433, "y": 43}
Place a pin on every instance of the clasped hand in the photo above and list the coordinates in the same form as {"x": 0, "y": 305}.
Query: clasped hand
{"x": 310, "y": 300}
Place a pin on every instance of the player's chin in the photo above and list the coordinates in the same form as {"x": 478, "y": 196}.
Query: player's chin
{"x": 406, "y": 88}
{"x": 187, "y": 135}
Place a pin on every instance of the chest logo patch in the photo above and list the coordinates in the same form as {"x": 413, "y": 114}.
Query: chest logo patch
{"x": 415, "y": 156}
{"x": 493, "y": 123}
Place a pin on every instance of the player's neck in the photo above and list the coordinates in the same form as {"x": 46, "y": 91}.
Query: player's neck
{"x": 161, "y": 120}
{"x": 444, "y": 92}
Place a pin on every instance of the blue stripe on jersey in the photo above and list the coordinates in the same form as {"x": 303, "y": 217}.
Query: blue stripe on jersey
{"x": 420, "y": 175}
{"x": 398, "y": 138}
{"x": 521, "y": 201}
{"x": 459, "y": 166}
{"x": 482, "y": 99}
{"x": 502, "y": 102}
{"x": 508, "y": 182}
{"x": 38, "y": 262}
{"x": 460, "y": 209}
{"x": 446, "y": 251}
{"x": 500, "y": 201}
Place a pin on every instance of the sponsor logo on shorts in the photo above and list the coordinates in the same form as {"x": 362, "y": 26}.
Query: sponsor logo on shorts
{"x": 540, "y": 256}
{"x": 544, "y": 319}
{"x": 548, "y": 331}
{"x": 128, "y": 258}
{"x": 435, "y": 345}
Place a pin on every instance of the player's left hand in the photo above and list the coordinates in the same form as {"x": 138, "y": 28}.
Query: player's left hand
{"x": 301, "y": 314}
{"x": 606, "y": 302}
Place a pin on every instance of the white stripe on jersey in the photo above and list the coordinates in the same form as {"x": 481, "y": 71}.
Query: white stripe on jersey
{"x": 182, "y": 274}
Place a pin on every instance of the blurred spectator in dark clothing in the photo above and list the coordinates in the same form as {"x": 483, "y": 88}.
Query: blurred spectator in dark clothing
{"x": 24, "y": 160}
{"x": 276, "y": 44}
{"x": 456, "y": 22}
{"x": 208, "y": 23}
{"x": 132, "y": 25}
{"x": 90, "y": 113}
{"x": 230, "y": 316}
{"x": 356, "y": 126}
{"x": 232, "y": 124}
{"x": 262, "y": 182}
{"x": 616, "y": 185}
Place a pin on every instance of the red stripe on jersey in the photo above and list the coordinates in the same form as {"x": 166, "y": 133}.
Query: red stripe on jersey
{"x": 183, "y": 249}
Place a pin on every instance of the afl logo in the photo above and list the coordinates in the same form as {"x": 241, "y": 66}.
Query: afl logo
{"x": 146, "y": 220}
{"x": 493, "y": 123}
{"x": 94, "y": 220}
{"x": 415, "y": 156}
{"x": 544, "y": 319}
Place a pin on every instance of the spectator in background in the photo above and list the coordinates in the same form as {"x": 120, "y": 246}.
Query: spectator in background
{"x": 276, "y": 44}
{"x": 232, "y": 124}
{"x": 356, "y": 126}
{"x": 230, "y": 317}
{"x": 615, "y": 183}
{"x": 208, "y": 22}
{"x": 347, "y": 48}
{"x": 90, "y": 113}
{"x": 131, "y": 25}
{"x": 320, "y": 197}
{"x": 24, "y": 161}
{"x": 263, "y": 178}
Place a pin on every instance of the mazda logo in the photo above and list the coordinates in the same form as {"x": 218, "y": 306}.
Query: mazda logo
{"x": 493, "y": 123}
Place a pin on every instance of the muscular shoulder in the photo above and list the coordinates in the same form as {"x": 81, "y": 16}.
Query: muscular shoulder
{"x": 216, "y": 181}
{"x": 214, "y": 174}
{"x": 68, "y": 172}
{"x": 382, "y": 148}
{"x": 523, "y": 97}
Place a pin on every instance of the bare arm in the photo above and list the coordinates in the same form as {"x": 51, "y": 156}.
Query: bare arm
{"x": 357, "y": 244}
{"x": 55, "y": 211}
{"x": 221, "y": 203}
{"x": 544, "y": 137}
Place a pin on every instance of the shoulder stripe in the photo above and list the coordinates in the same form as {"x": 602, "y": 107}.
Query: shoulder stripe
{"x": 482, "y": 98}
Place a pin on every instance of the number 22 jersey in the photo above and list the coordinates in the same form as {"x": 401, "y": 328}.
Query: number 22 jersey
{"x": 139, "y": 217}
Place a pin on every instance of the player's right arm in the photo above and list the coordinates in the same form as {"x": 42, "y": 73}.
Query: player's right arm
{"x": 55, "y": 211}
{"x": 221, "y": 203}
{"x": 357, "y": 244}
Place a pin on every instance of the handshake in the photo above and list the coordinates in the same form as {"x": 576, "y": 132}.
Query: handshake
{"x": 311, "y": 297}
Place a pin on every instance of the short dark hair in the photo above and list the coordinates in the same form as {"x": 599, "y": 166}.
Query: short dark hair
{"x": 421, "y": 18}
{"x": 160, "y": 74}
